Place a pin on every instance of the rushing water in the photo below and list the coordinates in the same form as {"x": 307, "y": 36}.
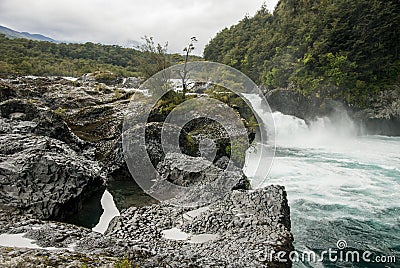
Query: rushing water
{"x": 340, "y": 185}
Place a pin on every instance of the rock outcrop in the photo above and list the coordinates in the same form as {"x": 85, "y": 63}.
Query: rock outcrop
{"x": 239, "y": 230}
{"x": 205, "y": 129}
{"x": 59, "y": 244}
{"x": 44, "y": 176}
{"x": 60, "y": 142}
{"x": 236, "y": 231}
{"x": 384, "y": 117}
{"x": 45, "y": 169}
{"x": 289, "y": 102}
{"x": 188, "y": 171}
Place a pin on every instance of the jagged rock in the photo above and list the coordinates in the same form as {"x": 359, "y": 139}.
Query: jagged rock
{"x": 236, "y": 231}
{"x": 239, "y": 230}
{"x": 206, "y": 129}
{"x": 384, "y": 117}
{"x": 153, "y": 143}
{"x": 58, "y": 93}
{"x": 33, "y": 258}
{"x": 45, "y": 169}
{"x": 101, "y": 125}
{"x": 184, "y": 170}
{"x": 61, "y": 245}
{"x": 6, "y": 91}
{"x": 44, "y": 176}
{"x": 292, "y": 102}
{"x": 41, "y": 121}
{"x": 379, "y": 126}
{"x": 105, "y": 77}
{"x": 115, "y": 161}
{"x": 222, "y": 163}
{"x": 131, "y": 82}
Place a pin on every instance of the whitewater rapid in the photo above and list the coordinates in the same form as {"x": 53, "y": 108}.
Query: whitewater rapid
{"x": 340, "y": 185}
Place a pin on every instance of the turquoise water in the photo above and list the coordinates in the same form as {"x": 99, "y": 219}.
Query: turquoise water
{"x": 341, "y": 186}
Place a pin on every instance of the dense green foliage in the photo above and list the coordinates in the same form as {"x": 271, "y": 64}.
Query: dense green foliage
{"x": 155, "y": 57}
{"x": 341, "y": 49}
{"x": 28, "y": 57}
{"x": 23, "y": 56}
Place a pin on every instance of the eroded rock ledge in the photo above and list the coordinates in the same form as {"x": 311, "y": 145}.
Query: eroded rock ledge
{"x": 240, "y": 230}
{"x": 60, "y": 142}
{"x": 236, "y": 231}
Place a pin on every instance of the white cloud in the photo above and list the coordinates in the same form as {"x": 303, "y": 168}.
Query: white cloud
{"x": 115, "y": 22}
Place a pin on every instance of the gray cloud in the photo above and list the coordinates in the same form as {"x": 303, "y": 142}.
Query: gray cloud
{"x": 116, "y": 22}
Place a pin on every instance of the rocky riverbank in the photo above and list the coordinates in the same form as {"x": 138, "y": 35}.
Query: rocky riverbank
{"x": 60, "y": 145}
{"x": 240, "y": 230}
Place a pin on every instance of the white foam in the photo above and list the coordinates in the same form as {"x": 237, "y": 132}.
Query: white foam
{"x": 70, "y": 78}
{"x": 19, "y": 241}
{"x": 110, "y": 211}
{"x": 322, "y": 132}
{"x": 174, "y": 234}
{"x": 328, "y": 164}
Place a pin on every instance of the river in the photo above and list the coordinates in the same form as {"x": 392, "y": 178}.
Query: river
{"x": 342, "y": 186}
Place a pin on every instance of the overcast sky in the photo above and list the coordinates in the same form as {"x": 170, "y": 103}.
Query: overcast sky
{"x": 116, "y": 22}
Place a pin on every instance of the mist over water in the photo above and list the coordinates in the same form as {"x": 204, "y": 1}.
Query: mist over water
{"x": 341, "y": 185}
{"x": 336, "y": 129}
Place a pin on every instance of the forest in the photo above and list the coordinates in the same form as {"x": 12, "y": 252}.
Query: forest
{"x": 27, "y": 57}
{"x": 23, "y": 56}
{"x": 340, "y": 49}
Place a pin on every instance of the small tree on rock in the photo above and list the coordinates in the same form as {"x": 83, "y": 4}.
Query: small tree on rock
{"x": 184, "y": 76}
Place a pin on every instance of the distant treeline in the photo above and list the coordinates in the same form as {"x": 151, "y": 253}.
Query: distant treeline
{"x": 342, "y": 49}
{"x": 27, "y": 57}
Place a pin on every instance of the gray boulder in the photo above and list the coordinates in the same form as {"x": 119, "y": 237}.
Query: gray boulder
{"x": 45, "y": 169}
{"x": 44, "y": 176}
{"x": 239, "y": 230}
{"x": 21, "y": 115}
{"x": 184, "y": 170}
{"x": 383, "y": 118}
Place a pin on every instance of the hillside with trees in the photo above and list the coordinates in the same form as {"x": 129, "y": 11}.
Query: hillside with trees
{"x": 341, "y": 49}
{"x": 28, "y": 57}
